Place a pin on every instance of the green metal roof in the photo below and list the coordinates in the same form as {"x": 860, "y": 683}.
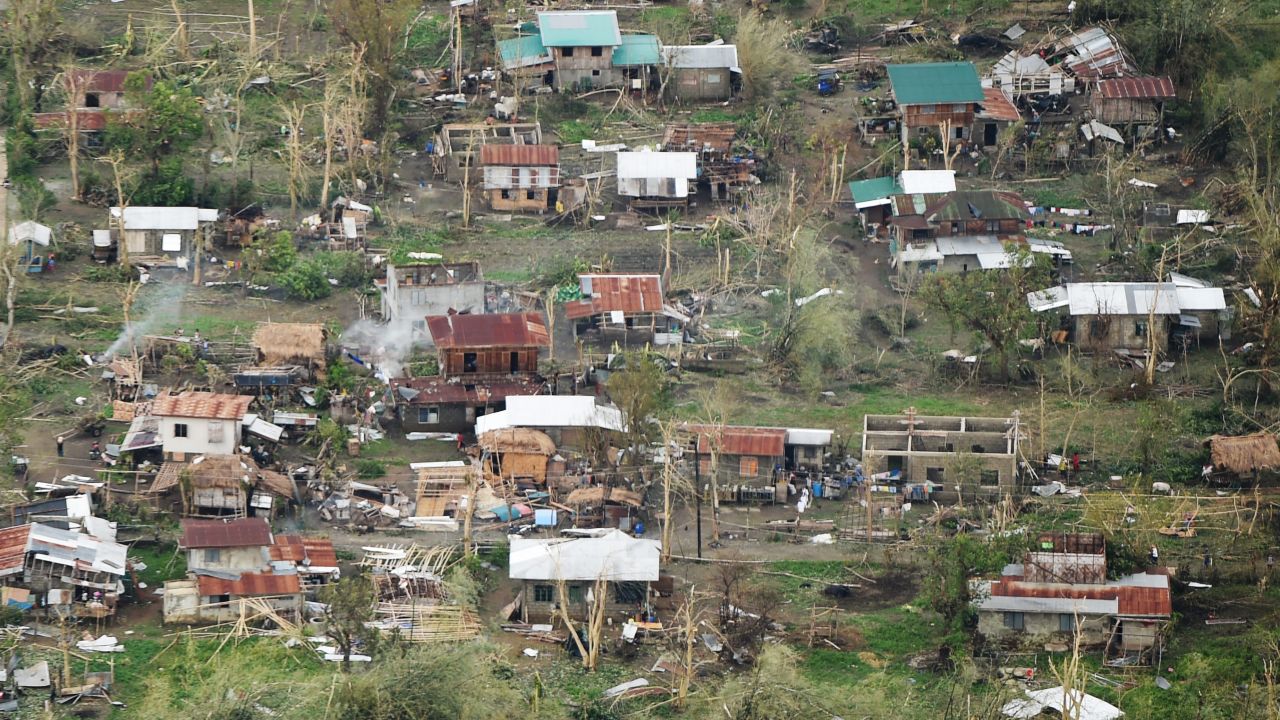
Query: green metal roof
{"x": 579, "y": 28}
{"x": 636, "y": 50}
{"x": 874, "y": 189}
{"x": 988, "y": 204}
{"x": 929, "y": 83}
{"x": 523, "y": 52}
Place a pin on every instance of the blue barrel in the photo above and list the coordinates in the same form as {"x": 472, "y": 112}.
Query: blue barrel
{"x": 817, "y": 488}
{"x": 638, "y": 529}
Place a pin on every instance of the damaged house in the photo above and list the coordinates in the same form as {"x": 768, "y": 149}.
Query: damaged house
{"x": 1134, "y": 103}
{"x": 627, "y": 566}
{"x": 1242, "y": 459}
{"x": 756, "y": 457}
{"x": 1061, "y": 588}
{"x": 956, "y": 231}
{"x": 158, "y": 235}
{"x": 413, "y": 290}
{"x": 1131, "y": 316}
{"x": 919, "y": 454}
{"x": 873, "y": 198}
{"x": 521, "y": 178}
{"x": 200, "y": 423}
{"x": 719, "y": 167}
{"x": 45, "y": 566}
{"x": 574, "y": 421}
{"x": 936, "y": 97}
{"x": 629, "y": 308}
{"x": 451, "y": 405}
{"x": 650, "y": 180}
{"x": 229, "y": 561}
{"x": 224, "y": 486}
{"x": 301, "y": 345}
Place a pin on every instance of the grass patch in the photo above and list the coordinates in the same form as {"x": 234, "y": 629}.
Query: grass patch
{"x": 163, "y": 562}
{"x": 833, "y": 667}
{"x": 898, "y": 632}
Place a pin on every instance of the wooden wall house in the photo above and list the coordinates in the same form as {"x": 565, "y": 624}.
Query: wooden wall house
{"x": 943, "y": 97}
{"x": 701, "y": 73}
{"x": 582, "y": 44}
{"x": 1132, "y": 102}
{"x": 521, "y": 178}
{"x": 488, "y": 346}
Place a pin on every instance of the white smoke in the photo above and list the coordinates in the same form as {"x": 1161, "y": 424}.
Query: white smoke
{"x": 157, "y": 305}
{"x": 386, "y": 347}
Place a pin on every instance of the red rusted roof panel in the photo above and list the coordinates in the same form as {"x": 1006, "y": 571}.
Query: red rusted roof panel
{"x": 742, "y": 440}
{"x": 104, "y": 80}
{"x": 311, "y": 551}
{"x": 622, "y": 292}
{"x": 478, "y": 331}
{"x": 996, "y": 106}
{"x": 1145, "y": 601}
{"x": 1138, "y": 88}
{"x": 242, "y": 532}
{"x": 1131, "y": 600}
{"x": 520, "y": 155}
{"x": 432, "y": 390}
{"x": 249, "y": 584}
{"x": 211, "y": 406}
{"x": 13, "y": 547}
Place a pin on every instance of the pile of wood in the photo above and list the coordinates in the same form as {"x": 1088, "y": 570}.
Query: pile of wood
{"x": 421, "y": 622}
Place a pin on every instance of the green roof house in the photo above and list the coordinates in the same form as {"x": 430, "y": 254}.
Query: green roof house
{"x": 637, "y": 50}
{"x": 523, "y": 52}
{"x": 937, "y": 95}
{"x": 582, "y": 44}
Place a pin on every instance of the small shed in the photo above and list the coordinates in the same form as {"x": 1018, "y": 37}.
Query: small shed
{"x": 290, "y": 344}
{"x": 702, "y": 72}
{"x": 656, "y": 179}
{"x": 521, "y": 177}
{"x": 1242, "y": 457}
{"x": 997, "y": 113}
{"x": 210, "y": 485}
{"x": 27, "y": 235}
{"x": 1127, "y": 101}
{"x": 518, "y": 454}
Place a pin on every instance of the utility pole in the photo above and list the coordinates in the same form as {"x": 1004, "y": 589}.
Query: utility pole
{"x": 697, "y": 493}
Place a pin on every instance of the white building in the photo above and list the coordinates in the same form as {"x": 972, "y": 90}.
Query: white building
{"x": 659, "y": 177}
{"x": 200, "y": 423}
{"x": 161, "y": 231}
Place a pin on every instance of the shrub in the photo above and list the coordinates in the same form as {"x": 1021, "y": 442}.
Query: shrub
{"x": 306, "y": 281}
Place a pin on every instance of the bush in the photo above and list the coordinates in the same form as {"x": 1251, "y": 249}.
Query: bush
{"x": 167, "y": 186}
{"x": 348, "y": 268}
{"x": 107, "y": 274}
{"x": 274, "y": 254}
{"x": 306, "y": 280}
{"x": 369, "y": 469}
{"x": 34, "y": 199}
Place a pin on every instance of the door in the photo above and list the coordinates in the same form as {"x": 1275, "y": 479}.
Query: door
{"x": 989, "y": 134}
{"x": 515, "y": 362}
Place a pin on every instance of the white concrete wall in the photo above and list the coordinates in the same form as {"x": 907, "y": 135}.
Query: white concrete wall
{"x": 197, "y": 441}
{"x": 243, "y": 559}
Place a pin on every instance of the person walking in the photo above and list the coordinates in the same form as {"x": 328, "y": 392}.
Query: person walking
{"x": 60, "y": 441}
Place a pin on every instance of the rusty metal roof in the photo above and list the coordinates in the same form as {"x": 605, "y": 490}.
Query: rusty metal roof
{"x": 1064, "y": 542}
{"x": 700, "y": 137}
{"x": 13, "y": 548}
{"x": 211, "y": 406}
{"x": 741, "y": 440}
{"x": 996, "y": 106}
{"x": 620, "y": 292}
{"x": 241, "y": 532}
{"x": 311, "y": 551}
{"x": 104, "y": 80}
{"x": 520, "y": 155}
{"x": 526, "y": 329}
{"x": 434, "y": 390}
{"x": 1138, "y": 88}
{"x": 1132, "y": 600}
{"x": 1153, "y": 601}
{"x": 249, "y": 584}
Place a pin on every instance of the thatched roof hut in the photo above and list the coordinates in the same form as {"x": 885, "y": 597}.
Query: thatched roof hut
{"x": 525, "y": 441}
{"x": 1244, "y": 454}
{"x": 290, "y": 344}
{"x": 601, "y": 495}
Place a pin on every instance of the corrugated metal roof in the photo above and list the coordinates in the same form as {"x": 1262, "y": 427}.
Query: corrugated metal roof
{"x": 103, "y": 80}
{"x": 478, "y": 331}
{"x": 741, "y": 440}
{"x": 965, "y": 205}
{"x": 526, "y": 51}
{"x": 637, "y": 50}
{"x": 1141, "y": 88}
{"x": 927, "y": 181}
{"x": 616, "y": 557}
{"x": 625, "y": 293}
{"x": 438, "y": 390}
{"x": 876, "y": 191}
{"x": 536, "y": 411}
{"x": 645, "y": 165}
{"x": 160, "y": 218}
{"x": 579, "y": 28}
{"x": 520, "y": 155}
{"x": 996, "y": 106}
{"x": 931, "y": 83}
{"x": 13, "y": 548}
{"x": 212, "y": 406}
{"x": 306, "y": 551}
{"x": 249, "y": 584}
{"x": 1094, "y": 53}
{"x": 241, "y": 532}
{"x": 1141, "y": 594}
{"x": 700, "y": 57}
{"x": 1119, "y": 298}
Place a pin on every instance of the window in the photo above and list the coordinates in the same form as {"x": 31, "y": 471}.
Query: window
{"x": 595, "y": 73}
{"x": 469, "y": 362}
{"x": 171, "y": 242}
{"x": 530, "y": 194}
{"x": 506, "y": 194}
{"x": 597, "y": 51}
{"x": 543, "y": 593}
{"x": 955, "y": 228}
{"x": 212, "y": 555}
{"x": 1013, "y": 620}
{"x": 215, "y": 432}
{"x": 935, "y": 474}
{"x": 748, "y": 466}
{"x": 959, "y": 108}
{"x": 92, "y": 100}
{"x": 928, "y": 109}
{"x": 180, "y": 430}
{"x": 1097, "y": 328}
{"x": 993, "y": 226}
{"x": 515, "y": 362}
{"x": 989, "y": 478}
{"x": 429, "y": 415}
{"x": 566, "y": 52}
{"x": 629, "y": 592}
{"x": 420, "y": 325}
{"x": 1140, "y": 328}
{"x": 575, "y": 594}
{"x": 958, "y": 133}
{"x": 1066, "y": 622}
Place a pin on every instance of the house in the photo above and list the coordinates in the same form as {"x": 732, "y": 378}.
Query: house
{"x": 569, "y": 420}
{"x": 1118, "y": 315}
{"x": 299, "y": 344}
{"x": 314, "y": 558}
{"x": 719, "y": 167}
{"x": 495, "y": 346}
{"x": 413, "y": 290}
{"x": 942, "y": 97}
{"x": 458, "y": 144}
{"x": 654, "y": 180}
{"x": 624, "y": 307}
{"x": 995, "y": 115}
{"x": 451, "y": 405}
{"x": 223, "y": 486}
{"x": 956, "y": 231}
{"x": 102, "y": 88}
{"x": 582, "y": 44}
{"x": 637, "y": 59}
{"x": 200, "y": 423}
{"x": 626, "y": 564}
{"x": 1242, "y": 459}
{"x": 873, "y": 198}
{"x": 521, "y": 178}
{"x": 516, "y": 455}
{"x": 152, "y": 233}
{"x": 92, "y": 93}
{"x": 1061, "y": 588}
{"x": 919, "y": 454}
{"x": 1133, "y": 102}
{"x": 757, "y": 456}
{"x": 45, "y": 566}
{"x": 527, "y": 60}
{"x": 29, "y": 236}
{"x": 698, "y": 73}
{"x": 238, "y": 545}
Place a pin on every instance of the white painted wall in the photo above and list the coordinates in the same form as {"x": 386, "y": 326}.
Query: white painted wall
{"x": 218, "y": 437}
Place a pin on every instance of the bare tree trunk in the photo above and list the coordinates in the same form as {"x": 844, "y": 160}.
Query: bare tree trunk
{"x": 253, "y": 33}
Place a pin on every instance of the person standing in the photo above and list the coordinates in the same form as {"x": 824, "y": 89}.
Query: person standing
{"x": 60, "y": 441}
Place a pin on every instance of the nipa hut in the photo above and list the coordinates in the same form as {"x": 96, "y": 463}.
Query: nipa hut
{"x": 1242, "y": 457}
{"x": 518, "y": 455}
{"x": 223, "y": 486}
{"x": 290, "y": 344}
